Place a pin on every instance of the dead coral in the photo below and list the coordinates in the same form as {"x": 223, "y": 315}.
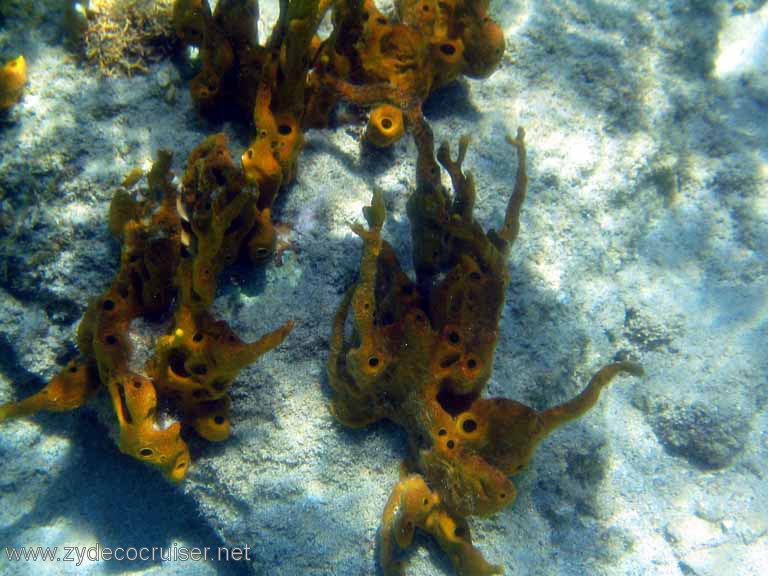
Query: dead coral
{"x": 173, "y": 247}
{"x": 122, "y": 37}
{"x": 420, "y": 354}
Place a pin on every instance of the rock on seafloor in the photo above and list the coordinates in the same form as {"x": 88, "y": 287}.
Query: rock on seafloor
{"x": 643, "y": 236}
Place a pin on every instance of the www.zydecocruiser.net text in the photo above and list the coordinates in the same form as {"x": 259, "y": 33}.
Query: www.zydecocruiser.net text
{"x": 80, "y": 554}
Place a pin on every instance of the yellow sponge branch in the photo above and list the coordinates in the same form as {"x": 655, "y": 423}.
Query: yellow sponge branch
{"x": 13, "y": 78}
{"x": 421, "y": 353}
{"x": 174, "y": 245}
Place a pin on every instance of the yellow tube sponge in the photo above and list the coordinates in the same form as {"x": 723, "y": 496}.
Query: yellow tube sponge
{"x": 68, "y": 390}
{"x": 13, "y": 77}
{"x": 385, "y": 126}
{"x": 174, "y": 244}
{"x": 135, "y": 402}
{"x": 420, "y": 354}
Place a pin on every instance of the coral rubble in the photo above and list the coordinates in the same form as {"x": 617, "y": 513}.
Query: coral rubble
{"x": 13, "y": 77}
{"x": 120, "y": 37}
{"x": 420, "y": 354}
{"x": 173, "y": 248}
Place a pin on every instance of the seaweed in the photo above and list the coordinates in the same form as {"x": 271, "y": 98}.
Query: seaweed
{"x": 120, "y": 37}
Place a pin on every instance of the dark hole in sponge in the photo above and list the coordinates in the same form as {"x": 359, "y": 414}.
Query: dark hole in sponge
{"x": 176, "y": 361}
{"x": 284, "y": 129}
{"x": 452, "y": 402}
{"x": 449, "y": 360}
{"x": 450, "y": 444}
{"x": 108, "y": 305}
{"x": 448, "y": 49}
{"x": 145, "y": 452}
{"x": 454, "y": 337}
{"x": 234, "y": 225}
{"x": 219, "y": 420}
{"x": 124, "y": 405}
{"x": 373, "y": 361}
{"x": 110, "y": 339}
{"x": 197, "y": 337}
{"x": 386, "y": 123}
{"x": 469, "y": 425}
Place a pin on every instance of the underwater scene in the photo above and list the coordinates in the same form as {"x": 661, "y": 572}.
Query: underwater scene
{"x": 383, "y": 287}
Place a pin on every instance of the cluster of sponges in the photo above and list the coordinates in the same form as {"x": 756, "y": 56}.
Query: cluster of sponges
{"x": 392, "y": 66}
{"x": 262, "y": 82}
{"x": 13, "y": 77}
{"x": 173, "y": 248}
{"x": 293, "y": 80}
{"x": 421, "y": 355}
{"x": 231, "y": 60}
